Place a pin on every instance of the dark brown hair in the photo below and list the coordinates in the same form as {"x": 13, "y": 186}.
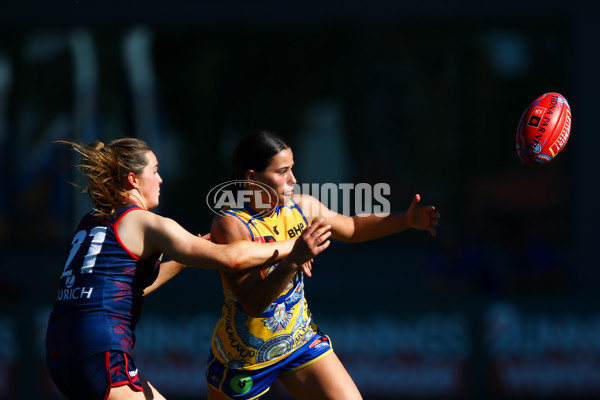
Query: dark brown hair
{"x": 255, "y": 151}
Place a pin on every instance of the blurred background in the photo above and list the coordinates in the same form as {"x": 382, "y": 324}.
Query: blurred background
{"x": 424, "y": 96}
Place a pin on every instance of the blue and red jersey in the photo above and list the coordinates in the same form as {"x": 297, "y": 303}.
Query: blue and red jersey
{"x": 99, "y": 301}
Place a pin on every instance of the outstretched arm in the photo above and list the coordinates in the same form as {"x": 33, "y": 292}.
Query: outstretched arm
{"x": 167, "y": 271}
{"x": 145, "y": 233}
{"x": 193, "y": 251}
{"x": 252, "y": 288}
{"x": 359, "y": 228}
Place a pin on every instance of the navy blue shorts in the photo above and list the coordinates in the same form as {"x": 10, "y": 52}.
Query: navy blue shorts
{"x": 92, "y": 378}
{"x": 250, "y": 384}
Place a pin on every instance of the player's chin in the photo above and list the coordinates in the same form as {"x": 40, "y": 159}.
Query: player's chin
{"x": 284, "y": 198}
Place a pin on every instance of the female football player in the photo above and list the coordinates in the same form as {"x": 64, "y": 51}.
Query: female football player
{"x": 266, "y": 331}
{"x": 115, "y": 254}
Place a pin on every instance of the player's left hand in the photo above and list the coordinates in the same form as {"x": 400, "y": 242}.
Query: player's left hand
{"x": 423, "y": 217}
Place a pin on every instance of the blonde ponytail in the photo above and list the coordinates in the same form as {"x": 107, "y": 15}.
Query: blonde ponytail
{"x": 106, "y": 167}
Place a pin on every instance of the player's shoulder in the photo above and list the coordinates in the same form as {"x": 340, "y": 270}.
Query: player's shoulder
{"x": 141, "y": 218}
{"x": 228, "y": 227}
{"x": 138, "y": 213}
{"x": 228, "y": 224}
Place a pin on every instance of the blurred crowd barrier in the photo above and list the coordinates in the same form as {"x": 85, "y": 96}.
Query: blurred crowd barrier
{"x": 495, "y": 349}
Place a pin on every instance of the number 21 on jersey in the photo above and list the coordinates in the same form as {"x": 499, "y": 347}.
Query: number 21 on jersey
{"x": 95, "y": 238}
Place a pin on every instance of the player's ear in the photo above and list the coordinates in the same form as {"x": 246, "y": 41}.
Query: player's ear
{"x": 132, "y": 181}
{"x": 250, "y": 174}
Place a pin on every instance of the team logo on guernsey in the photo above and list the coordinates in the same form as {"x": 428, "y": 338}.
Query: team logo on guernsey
{"x": 280, "y": 319}
{"x": 241, "y": 384}
{"x": 274, "y": 348}
{"x": 236, "y": 194}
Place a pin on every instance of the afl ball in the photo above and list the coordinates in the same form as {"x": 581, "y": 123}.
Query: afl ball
{"x": 544, "y": 129}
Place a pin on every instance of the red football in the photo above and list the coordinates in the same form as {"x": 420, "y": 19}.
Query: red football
{"x": 544, "y": 129}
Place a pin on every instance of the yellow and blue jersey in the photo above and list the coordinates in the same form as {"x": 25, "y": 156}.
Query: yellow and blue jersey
{"x": 241, "y": 341}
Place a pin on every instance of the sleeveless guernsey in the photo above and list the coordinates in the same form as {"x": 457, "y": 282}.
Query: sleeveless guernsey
{"x": 99, "y": 300}
{"x": 242, "y": 341}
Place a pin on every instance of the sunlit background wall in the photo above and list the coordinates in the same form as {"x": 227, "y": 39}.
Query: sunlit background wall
{"x": 423, "y": 96}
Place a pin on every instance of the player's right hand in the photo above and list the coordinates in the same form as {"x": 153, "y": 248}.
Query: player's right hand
{"x": 312, "y": 242}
